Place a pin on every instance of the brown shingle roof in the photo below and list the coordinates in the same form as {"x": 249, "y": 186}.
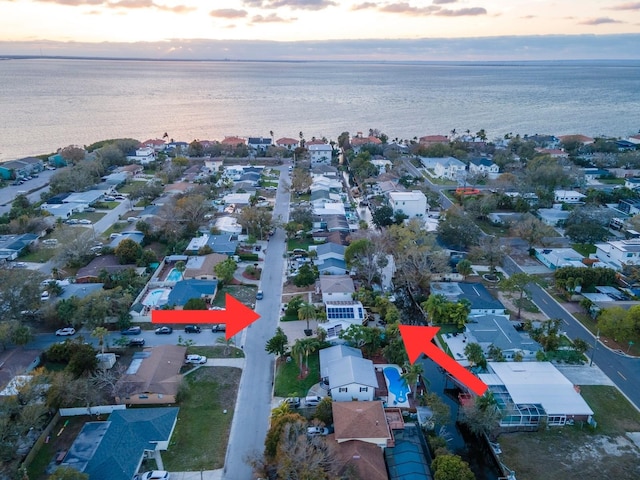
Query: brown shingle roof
{"x": 365, "y": 458}
{"x": 159, "y": 372}
{"x": 359, "y": 420}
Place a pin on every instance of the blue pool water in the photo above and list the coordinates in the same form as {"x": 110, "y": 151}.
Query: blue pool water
{"x": 397, "y": 386}
{"x": 154, "y": 297}
{"x": 174, "y": 276}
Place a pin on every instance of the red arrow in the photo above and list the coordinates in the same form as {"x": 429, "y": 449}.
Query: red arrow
{"x": 417, "y": 340}
{"x": 236, "y": 316}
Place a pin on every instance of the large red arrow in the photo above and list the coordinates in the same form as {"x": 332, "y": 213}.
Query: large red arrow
{"x": 236, "y": 316}
{"x": 417, "y": 340}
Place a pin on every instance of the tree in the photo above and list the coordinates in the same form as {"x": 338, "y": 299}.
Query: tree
{"x": 127, "y": 251}
{"x": 475, "y": 355}
{"x": 196, "y": 304}
{"x": 256, "y": 221}
{"x": 383, "y": 216}
{"x": 100, "y": 333}
{"x": 532, "y": 230}
{"x": 518, "y": 282}
{"x": 181, "y": 266}
{"x": 19, "y": 290}
{"x": 300, "y": 180}
{"x": 451, "y": 467}
{"x": 324, "y": 411}
{"x": 495, "y": 353}
{"x": 411, "y": 374}
{"x": 306, "y": 276}
{"x": 277, "y": 345}
{"x": 458, "y": 230}
{"x": 368, "y": 258}
{"x": 68, "y": 473}
{"x": 580, "y": 346}
{"x": 225, "y": 270}
{"x": 227, "y": 342}
{"x": 483, "y": 417}
{"x": 588, "y": 224}
{"x": 72, "y": 154}
{"x": 307, "y": 311}
{"x": 464, "y": 268}
{"x": 435, "y": 306}
{"x": 490, "y": 251}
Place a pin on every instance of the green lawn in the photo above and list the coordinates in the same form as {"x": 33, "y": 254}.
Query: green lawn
{"x": 215, "y": 351}
{"x": 244, "y": 293}
{"x": 41, "y": 255}
{"x": 302, "y": 243}
{"x": 199, "y": 441}
{"x": 287, "y": 383}
{"x": 131, "y": 187}
{"x": 584, "y": 248}
{"x": 612, "y": 181}
{"x": 93, "y": 216}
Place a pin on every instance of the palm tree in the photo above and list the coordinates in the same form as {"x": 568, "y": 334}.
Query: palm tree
{"x": 307, "y": 311}
{"x": 100, "y": 333}
{"x": 227, "y": 343}
{"x": 411, "y": 374}
{"x": 181, "y": 267}
{"x": 298, "y": 350}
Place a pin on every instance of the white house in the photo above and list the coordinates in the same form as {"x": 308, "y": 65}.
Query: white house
{"x": 568, "y": 196}
{"x": 484, "y": 166}
{"x": 340, "y": 315}
{"x": 559, "y": 257}
{"x": 449, "y": 168}
{"x": 258, "y": 143}
{"x": 618, "y": 253}
{"x": 320, "y": 154}
{"x": 288, "y": 143}
{"x": 143, "y": 156}
{"x": 352, "y": 379}
{"x": 412, "y": 204}
{"x": 336, "y": 288}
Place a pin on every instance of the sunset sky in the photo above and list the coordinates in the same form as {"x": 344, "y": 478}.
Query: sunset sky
{"x": 172, "y": 24}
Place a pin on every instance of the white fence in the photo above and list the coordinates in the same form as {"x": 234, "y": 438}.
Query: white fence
{"x": 98, "y": 410}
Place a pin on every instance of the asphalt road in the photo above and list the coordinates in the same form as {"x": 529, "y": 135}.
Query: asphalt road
{"x": 623, "y": 371}
{"x": 36, "y": 185}
{"x": 253, "y": 407}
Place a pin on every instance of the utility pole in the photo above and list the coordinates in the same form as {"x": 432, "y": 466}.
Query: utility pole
{"x": 595, "y": 345}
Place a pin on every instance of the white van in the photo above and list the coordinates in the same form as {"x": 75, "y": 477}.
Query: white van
{"x": 312, "y": 400}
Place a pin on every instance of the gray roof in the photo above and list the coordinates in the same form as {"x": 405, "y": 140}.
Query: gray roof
{"x": 325, "y": 248}
{"x": 134, "y": 235}
{"x": 336, "y": 284}
{"x": 476, "y": 293}
{"x": 498, "y": 331}
{"x": 330, "y": 263}
{"x": 80, "y": 290}
{"x": 328, "y": 355}
{"x": 185, "y": 290}
{"x": 128, "y": 434}
{"x": 349, "y": 370}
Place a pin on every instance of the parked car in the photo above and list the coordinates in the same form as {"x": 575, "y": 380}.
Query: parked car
{"x": 164, "y": 330}
{"x": 293, "y": 402}
{"x": 192, "y": 329}
{"x": 132, "y": 331}
{"x": 89, "y": 209}
{"x": 19, "y": 265}
{"x": 44, "y": 296}
{"x": 84, "y": 221}
{"x": 195, "y": 359}
{"x": 312, "y": 400}
{"x": 107, "y": 198}
{"x": 63, "y": 332}
{"x": 313, "y": 431}
{"x": 155, "y": 475}
{"x": 219, "y": 327}
{"x": 136, "y": 342}
{"x": 259, "y": 295}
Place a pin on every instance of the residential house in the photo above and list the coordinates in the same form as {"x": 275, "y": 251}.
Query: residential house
{"x": 498, "y": 331}
{"x": 56, "y": 160}
{"x": 326, "y": 251}
{"x": 143, "y": 156}
{"x": 632, "y": 183}
{"x": 382, "y": 165}
{"x": 559, "y": 257}
{"x": 157, "y": 144}
{"x": 258, "y": 144}
{"x": 119, "y": 445}
{"x": 20, "y": 168}
{"x": 529, "y": 393}
{"x": 591, "y": 174}
{"x": 450, "y": 168}
{"x": 327, "y": 171}
{"x": 484, "y": 166}
{"x": 134, "y": 235}
{"x": 365, "y": 459}
{"x": 288, "y": 143}
{"x": 336, "y": 288}
{"x": 228, "y": 225}
{"x": 11, "y": 246}
{"x": 554, "y": 217}
{"x": 364, "y": 421}
{"x": 224, "y": 243}
{"x": 394, "y": 149}
{"x": 359, "y": 141}
{"x": 331, "y": 208}
{"x": 412, "y": 204}
{"x": 340, "y": 315}
{"x": 320, "y": 154}
{"x": 332, "y": 266}
{"x": 568, "y": 196}
{"x": 352, "y": 379}
{"x": 330, "y": 354}
{"x": 185, "y": 290}
{"x": 229, "y": 144}
{"x": 482, "y": 302}
{"x": 544, "y": 141}
{"x": 552, "y": 152}
{"x": 617, "y": 254}
{"x": 202, "y": 267}
{"x": 629, "y": 206}
{"x": 117, "y": 178}
{"x": 80, "y": 290}
{"x": 635, "y": 139}
{"x": 110, "y": 264}
{"x": 237, "y": 199}
{"x": 583, "y": 139}
{"x": 153, "y": 376}
{"x": 429, "y": 140}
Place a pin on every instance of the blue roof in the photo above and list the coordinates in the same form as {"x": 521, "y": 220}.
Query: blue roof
{"x": 479, "y": 297}
{"x": 185, "y": 290}
{"x": 332, "y": 263}
{"x": 222, "y": 244}
{"x": 121, "y": 442}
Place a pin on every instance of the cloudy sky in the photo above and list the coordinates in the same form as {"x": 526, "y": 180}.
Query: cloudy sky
{"x": 297, "y": 29}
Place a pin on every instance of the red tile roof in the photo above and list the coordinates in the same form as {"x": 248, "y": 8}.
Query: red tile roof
{"x": 580, "y": 138}
{"x": 154, "y": 142}
{"x": 365, "y": 140}
{"x": 287, "y": 141}
{"x": 233, "y": 141}
{"x": 317, "y": 141}
{"x": 429, "y": 139}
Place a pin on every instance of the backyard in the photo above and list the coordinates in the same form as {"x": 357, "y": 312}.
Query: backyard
{"x": 288, "y": 382}
{"x": 578, "y": 452}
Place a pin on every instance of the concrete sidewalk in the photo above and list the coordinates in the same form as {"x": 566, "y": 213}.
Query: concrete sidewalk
{"x": 202, "y": 475}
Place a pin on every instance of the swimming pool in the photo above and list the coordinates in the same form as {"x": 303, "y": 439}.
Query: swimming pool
{"x": 156, "y": 297}
{"x": 174, "y": 276}
{"x": 396, "y": 386}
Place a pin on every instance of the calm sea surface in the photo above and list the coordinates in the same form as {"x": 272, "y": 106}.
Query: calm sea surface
{"x": 47, "y": 104}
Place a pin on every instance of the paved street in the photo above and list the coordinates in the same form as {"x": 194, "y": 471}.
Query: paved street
{"x": 623, "y": 371}
{"x": 251, "y": 420}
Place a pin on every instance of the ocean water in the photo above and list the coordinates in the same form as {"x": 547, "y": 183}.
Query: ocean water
{"x": 46, "y": 104}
